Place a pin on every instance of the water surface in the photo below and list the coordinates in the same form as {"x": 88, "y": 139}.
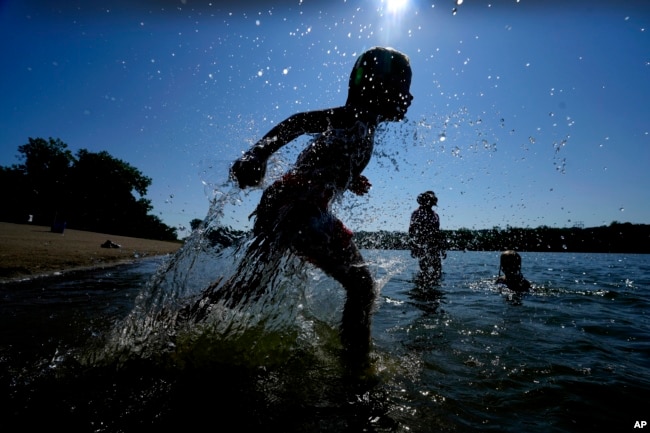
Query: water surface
{"x": 465, "y": 355}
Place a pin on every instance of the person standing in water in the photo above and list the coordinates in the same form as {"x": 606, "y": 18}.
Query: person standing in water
{"x": 294, "y": 214}
{"x": 425, "y": 238}
{"x": 510, "y": 264}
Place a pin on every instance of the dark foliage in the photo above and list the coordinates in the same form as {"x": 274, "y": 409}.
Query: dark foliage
{"x": 87, "y": 191}
{"x": 615, "y": 238}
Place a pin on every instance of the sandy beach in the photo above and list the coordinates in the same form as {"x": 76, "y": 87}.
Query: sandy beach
{"x": 27, "y": 251}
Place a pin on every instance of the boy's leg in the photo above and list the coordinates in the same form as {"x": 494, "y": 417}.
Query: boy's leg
{"x": 329, "y": 246}
{"x": 431, "y": 266}
{"x": 356, "y": 318}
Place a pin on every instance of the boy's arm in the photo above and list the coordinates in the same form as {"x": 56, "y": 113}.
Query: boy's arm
{"x": 360, "y": 185}
{"x": 250, "y": 168}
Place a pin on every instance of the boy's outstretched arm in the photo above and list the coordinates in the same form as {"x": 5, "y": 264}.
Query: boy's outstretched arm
{"x": 250, "y": 168}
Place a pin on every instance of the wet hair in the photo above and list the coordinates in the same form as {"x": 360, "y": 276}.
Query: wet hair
{"x": 510, "y": 261}
{"x": 374, "y": 69}
{"x": 427, "y": 198}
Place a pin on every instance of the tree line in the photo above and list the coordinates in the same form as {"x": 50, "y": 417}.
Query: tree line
{"x": 615, "y": 238}
{"x": 91, "y": 191}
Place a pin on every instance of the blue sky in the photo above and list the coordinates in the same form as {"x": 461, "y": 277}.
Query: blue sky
{"x": 526, "y": 113}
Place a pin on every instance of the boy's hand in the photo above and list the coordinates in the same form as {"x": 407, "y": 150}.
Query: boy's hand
{"x": 360, "y": 185}
{"x": 249, "y": 170}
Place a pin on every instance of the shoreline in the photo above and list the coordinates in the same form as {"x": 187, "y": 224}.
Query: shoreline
{"x": 71, "y": 272}
{"x": 29, "y": 252}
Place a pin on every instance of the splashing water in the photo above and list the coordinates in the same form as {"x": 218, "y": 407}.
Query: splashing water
{"x": 191, "y": 313}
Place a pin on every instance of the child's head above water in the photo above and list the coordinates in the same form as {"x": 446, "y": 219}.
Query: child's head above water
{"x": 510, "y": 262}
{"x": 380, "y": 80}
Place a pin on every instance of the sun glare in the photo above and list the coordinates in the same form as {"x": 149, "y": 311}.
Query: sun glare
{"x": 396, "y": 6}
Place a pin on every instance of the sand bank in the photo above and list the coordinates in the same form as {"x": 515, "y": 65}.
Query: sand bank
{"x": 28, "y": 251}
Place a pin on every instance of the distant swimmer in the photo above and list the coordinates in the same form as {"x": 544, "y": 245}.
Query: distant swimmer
{"x": 425, "y": 238}
{"x": 510, "y": 264}
{"x": 294, "y": 213}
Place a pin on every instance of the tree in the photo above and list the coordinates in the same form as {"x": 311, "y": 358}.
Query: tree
{"x": 195, "y": 223}
{"x": 15, "y": 192}
{"x": 101, "y": 194}
{"x": 94, "y": 191}
{"x": 45, "y": 166}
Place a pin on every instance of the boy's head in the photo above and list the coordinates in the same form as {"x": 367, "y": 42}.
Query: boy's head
{"x": 380, "y": 80}
{"x": 510, "y": 262}
{"x": 428, "y": 199}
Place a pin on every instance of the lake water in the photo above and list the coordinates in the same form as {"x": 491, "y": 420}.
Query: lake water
{"x": 573, "y": 355}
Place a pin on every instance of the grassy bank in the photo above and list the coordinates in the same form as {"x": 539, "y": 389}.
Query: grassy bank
{"x": 28, "y": 250}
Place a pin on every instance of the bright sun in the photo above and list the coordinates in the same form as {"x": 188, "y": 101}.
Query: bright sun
{"x": 395, "y": 6}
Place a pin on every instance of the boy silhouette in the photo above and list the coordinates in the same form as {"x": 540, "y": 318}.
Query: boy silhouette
{"x": 294, "y": 214}
{"x": 425, "y": 238}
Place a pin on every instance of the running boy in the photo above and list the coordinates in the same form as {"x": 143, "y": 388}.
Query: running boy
{"x": 294, "y": 212}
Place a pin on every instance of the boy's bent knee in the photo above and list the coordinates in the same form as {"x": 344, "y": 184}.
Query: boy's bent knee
{"x": 358, "y": 280}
